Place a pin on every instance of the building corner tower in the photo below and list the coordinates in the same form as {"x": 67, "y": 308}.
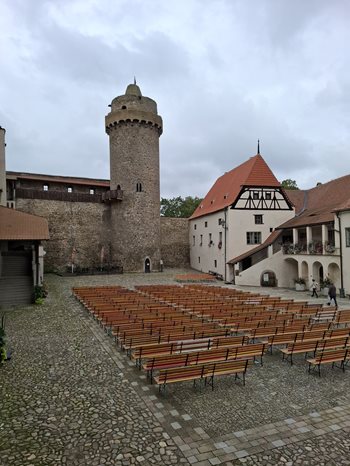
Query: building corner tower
{"x": 134, "y": 126}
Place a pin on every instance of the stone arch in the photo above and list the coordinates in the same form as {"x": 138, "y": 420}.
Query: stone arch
{"x": 304, "y": 271}
{"x": 291, "y": 267}
{"x": 317, "y": 271}
{"x": 147, "y": 265}
{"x": 268, "y": 278}
{"x": 334, "y": 273}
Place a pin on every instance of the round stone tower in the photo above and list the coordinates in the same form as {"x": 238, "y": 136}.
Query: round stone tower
{"x": 134, "y": 127}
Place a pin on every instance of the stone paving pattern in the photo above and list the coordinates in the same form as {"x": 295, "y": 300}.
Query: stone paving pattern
{"x": 70, "y": 397}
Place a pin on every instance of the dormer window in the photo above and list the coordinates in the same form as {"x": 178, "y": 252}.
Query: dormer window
{"x": 45, "y": 187}
{"x": 138, "y": 187}
{"x": 255, "y": 195}
{"x": 268, "y": 196}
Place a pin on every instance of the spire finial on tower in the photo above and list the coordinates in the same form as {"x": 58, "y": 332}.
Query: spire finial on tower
{"x": 134, "y": 79}
{"x": 258, "y": 153}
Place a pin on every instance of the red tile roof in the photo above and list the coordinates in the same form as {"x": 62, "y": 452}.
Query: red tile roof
{"x": 320, "y": 203}
{"x": 15, "y": 225}
{"x": 253, "y": 172}
{"x": 57, "y": 179}
{"x": 274, "y": 235}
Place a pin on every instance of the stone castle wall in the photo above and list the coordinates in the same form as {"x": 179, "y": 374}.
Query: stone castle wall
{"x": 82, "y": 226}
{"x": 85, "y": 226}
{"x": 175, "y": 249}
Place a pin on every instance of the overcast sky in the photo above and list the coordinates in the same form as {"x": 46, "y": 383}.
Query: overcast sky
{"x": 223, "y": 72}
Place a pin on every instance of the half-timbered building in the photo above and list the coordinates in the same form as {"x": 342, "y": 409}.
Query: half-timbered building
{"x": 240, "y": 213}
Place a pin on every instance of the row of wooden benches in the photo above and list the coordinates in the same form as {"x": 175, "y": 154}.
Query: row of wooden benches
{"x": 140, "y": 345}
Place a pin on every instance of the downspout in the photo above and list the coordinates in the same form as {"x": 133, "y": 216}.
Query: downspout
{"x": 341, "y": 290}
{"x": 225, "y": 258}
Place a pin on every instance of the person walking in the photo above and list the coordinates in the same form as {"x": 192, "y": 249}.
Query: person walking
{"x": 332, "y": 295}
{"x": 314, "y": 286}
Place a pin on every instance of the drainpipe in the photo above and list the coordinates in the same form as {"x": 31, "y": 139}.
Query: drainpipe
{"x": 341, "y": 290}
{"x": 225, "y": 228}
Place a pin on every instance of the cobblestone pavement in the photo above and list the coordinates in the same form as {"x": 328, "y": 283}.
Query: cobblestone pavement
{"x": 70, "y": 397}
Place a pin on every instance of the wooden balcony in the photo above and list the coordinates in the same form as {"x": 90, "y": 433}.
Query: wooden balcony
{"x": 112, "y": 195}
{"x": 57, "y": 195}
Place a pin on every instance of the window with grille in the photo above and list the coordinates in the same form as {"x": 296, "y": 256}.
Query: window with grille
{"x": 253, "y": 237}
{"x": 347, "y": 237}
{"x": 258, "y": 219}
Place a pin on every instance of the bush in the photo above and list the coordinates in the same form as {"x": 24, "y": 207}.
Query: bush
{"x": 300, "y": 281}
{"x": 40, "y": 293}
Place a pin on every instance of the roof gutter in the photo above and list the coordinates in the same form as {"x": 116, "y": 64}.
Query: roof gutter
{"x": 341, "y": 290}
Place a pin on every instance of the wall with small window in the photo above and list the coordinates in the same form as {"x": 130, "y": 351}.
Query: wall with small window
{"x": 243, "y": 221}
{"x": 345, "y": 237}
{"x": 209, "y": 244}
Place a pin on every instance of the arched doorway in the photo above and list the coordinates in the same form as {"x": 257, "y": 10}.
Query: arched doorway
{"x": 305, "y": 271}
{"x": 291, "y": 271}
{"x": 268, "y": 278}
{"x": 147, "y": 265}
{"x": 334, "y": 273}
{"x": 317, "y": 271}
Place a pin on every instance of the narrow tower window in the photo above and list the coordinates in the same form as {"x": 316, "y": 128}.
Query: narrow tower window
{"x": 45, "y": 187}
{"x": 138, "y": 187}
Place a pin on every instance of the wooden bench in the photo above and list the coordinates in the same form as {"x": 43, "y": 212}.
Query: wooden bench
{"x": 308, "y": 346}
{"x": 325, "y": 315}
{"x": 201, "y": 372}
{"x": 298, "y": 347}
{"x": 329, "y": 357}
{"x": 147, "y": 351}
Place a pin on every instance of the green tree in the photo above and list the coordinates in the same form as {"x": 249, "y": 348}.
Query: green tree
{"x": 179, "y": 207}
{"x": 289, "y": 184}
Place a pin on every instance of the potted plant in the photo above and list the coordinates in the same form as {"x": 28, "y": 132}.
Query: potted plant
{"x": 325, "y": 284}
{"x": 299, "y": 284}
{"x": 329, "y": 248}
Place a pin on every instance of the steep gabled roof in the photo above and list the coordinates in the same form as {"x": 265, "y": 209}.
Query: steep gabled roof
{"x": 15, "y": 225}
{"x": 320, "y": 203}
{"x": 253, "y": 172}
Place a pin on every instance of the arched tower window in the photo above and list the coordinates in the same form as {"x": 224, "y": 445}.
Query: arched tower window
{"x": 138, "y": 187}
{"x": 118, "y": 187}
